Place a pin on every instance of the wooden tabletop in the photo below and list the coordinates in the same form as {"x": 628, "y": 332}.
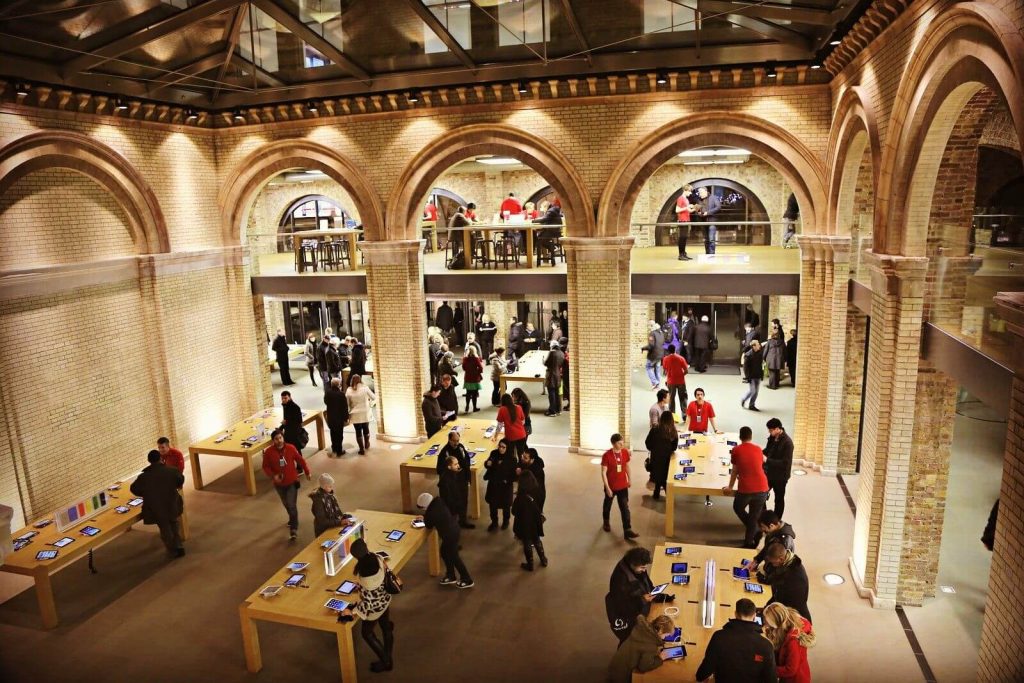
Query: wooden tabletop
{"x": 244, "y": 430}
{"x": 330, "y": 232}
{"x": 473, "y": 438}
{"x": 305, "y": 606}
{"x": 710, "y": 455}
{"x": 531, "y": 365}
{"x": 689, "y": 598}
{"x": 294, "y": 351}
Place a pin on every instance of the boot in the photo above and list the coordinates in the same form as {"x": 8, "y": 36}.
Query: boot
{"x": 377, "y": 647}
{"x": 359, "y": 440}
{"x": 466, "y": 411}
{"x": 528, "y": 553}
{"x": 504, "y": 518}
{"x": 540, "y": 553}
{"x": 366, "y": 440}
{"x": 386, "y": 663}
{"x": 475, "y": 408}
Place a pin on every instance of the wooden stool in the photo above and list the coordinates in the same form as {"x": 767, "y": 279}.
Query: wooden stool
{"x": 506, "y": 249}
{"x": 307, "y": 255}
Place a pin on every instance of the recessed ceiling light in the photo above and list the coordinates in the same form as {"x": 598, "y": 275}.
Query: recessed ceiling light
{"x": 816, "y": 65}
{"x": 661, "y": 78}
{"x": 947, "y": 589}
{"x": 714, "y": 152}
{"x": 311, "y": 107}
{"x": 770, "y": 70}
{"x": 595, "y": 461}
{"x": 523, "y": 89}
{"x": 834, "y": 579}
{"x": 395, "y": 447}
{"x": 21, "y": 89}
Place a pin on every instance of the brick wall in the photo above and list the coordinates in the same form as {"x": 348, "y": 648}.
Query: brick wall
{"x": 853, "y": 390}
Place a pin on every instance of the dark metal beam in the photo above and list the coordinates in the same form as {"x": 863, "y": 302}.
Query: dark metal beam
{"x": 261, "y": 74}
{"x": 770, "y": 30}
{"x": 183, "y": 73}
{"x": 574, "y": 24}
{"x": 234, "y": 30}
{"x": 431, "y": 20}
{"x": 800, "y": 15}
{"x": 308, "y": 35}
{"x": 137, "y": 39}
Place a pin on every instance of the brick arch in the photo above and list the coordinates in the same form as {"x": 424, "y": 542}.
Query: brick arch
{"x": 235, "y": 198}
{"x": 973, "y": 46}
{"x": 82, "y": 154}
{"x": 797, "y": 164}
{"x": 463, "y": 142}
{"x": 853, "y": 133}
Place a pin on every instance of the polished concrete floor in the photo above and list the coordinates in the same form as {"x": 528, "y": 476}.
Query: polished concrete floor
{"x": 144, "y": 618}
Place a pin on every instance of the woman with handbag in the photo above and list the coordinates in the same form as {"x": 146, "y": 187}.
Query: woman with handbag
{"x": 661, "y": 442}
{"x": 373, "y": 609}
{"x": 500, "y": 475}
{"x": 529, "y": 524}
{"x": 360, "y": 410}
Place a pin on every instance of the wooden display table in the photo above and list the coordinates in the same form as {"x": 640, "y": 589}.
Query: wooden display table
{"x": 472, "y": 432}
{"x": 238, "y": 434}
{"x": 111, "y": 525}
{"x": 304, "y": 607}
{"x": 294, "y": 351}
{"x": 710, "y": 455}
{"x": 531, "y": 369}
{"x": 689, "y": 600}
{"x": 350, "y": 234}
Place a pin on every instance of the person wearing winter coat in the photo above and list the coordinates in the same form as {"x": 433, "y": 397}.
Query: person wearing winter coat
{"x": 791, "y": 635}
{"x": 357, "y": 362}
{"x": 321, "y": 359}
{"x": 437, "y": 516}
{"x": 778, "y": 465}
{"x": 661, "y": 442}
{"x": 336, "y": 404}
{"x": 642, "y": 650}
{"x": 671, "y": 331}
{"x": 360, "y": 411}
{"x": 446, "y": 366}
{"x": 327, "y": 513}
{"x": 791, "y": 357}
{"x": 784, "y": 571}
{"x": 553, "y": 378}
{"x": 373, "y": 610}
{"x": 530, "y": 461}
{"x": 280, "y": 348}
{"x": 774, "y": 531}
{"x": 485, "y": 332}
{"x": 445, "y": 317}
{"x": 702, "y": 345}
{"x": 500, "y": 475}
{"x": 655, "y": 349}
{"x": 529, "y": 524}
{"x": 433, "y": 418}
{"x": 629, "y": 591}
{"x": 454, "y": 480}
{"x": 309, "y": 355}
{"x": 498, "y": 365}
{"x": 775, "y": 358}
{"x": 739, "y": 652}
{"x": 753, "y": 370}
{"x": 473, "y": 367}
{"x": 333, "y": 358}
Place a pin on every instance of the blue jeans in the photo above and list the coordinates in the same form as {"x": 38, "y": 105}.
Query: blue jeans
{"x": 289, "y": 498}
{"x": 710, "y": 237}
{"x": 554, "y": 405}
{"x": 652, "y": 371}
{"x": 755, "y": 386}
{"x": 748, "y": 507}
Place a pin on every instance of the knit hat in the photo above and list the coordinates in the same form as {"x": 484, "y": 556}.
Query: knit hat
{"x": 326, "y": 480}
{"x": 424, "y": 500}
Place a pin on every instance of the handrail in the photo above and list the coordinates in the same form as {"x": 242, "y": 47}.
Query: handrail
{"x": 676, "y": 224}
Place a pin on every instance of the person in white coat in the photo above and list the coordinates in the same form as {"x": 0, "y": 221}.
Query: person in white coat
{"x": 360, "y": 410}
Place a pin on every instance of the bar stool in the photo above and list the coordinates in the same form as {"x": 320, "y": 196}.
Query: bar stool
{"x": 506, "y": 249}
{"x": 328, "y": 255}
{"x": 480, "y": 253}
{"x": 543, "y": 253}
{"x": 341, "y": 253}
{"x": 307, "y": 255}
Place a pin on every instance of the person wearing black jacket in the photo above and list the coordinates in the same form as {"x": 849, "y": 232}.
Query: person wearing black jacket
{"x": 458, "y": 486}
{"x": 438, "y": 516}
{"x": 529, "y": 524}
{"x": 337, "y": 415}
{"x": 433, "y": 418}
{"x": 775, "y": 531}
{"x": 334, "y": 364}
{"x": 485, "y": 332}
{"x": 500, "y": 475}
{"x": 785, "y": 573}
{"x": 280, "y": 347}
{"x": 321, "y": 360}
{"x": 629, "y": 591}
{"x": 779, "y": 463}
{"x": 447, "y": 398}
{"x": 291, "y": 425}
{"x": 445, "y": 317}
{"x": 791, "y": 357}
{"x": 531, "y": 462}
{"x": 661, "y": 442}
{"x": 739, "y": 653}
{"x": 753, "y": 370}
{"x": 516, "y": 333}
{"x": 357, "y": 362}
{"x": 158, "y": 486}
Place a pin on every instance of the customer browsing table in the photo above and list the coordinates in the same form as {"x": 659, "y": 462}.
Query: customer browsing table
{"x": 531, "y": 369}
{"x": 245, "y": 439}
{"x": 709, "y": 457}
{"x": 478, "y": 442}
{"x": 303, "y": 605}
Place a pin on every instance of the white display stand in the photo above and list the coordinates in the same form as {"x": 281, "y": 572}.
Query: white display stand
{"x": 338, "y": 556}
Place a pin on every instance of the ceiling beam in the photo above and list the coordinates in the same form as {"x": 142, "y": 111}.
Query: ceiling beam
{"x": 263, "y": 75}
{"x": 797, "y": 14}
{"x": 234, "y": 30}
{"x": 137, "y": 39}
{"x": 308, "y": 35}
{"x": 574, "y": 24}
{"x": 770, "y": 30}
{"x": 435, "y": 25}
{"x": 183, "y": 73}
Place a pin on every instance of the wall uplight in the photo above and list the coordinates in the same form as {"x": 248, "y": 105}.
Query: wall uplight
{"x": 239, "y": 116}
{"x": 413, "y": 97}
{"x": 834, "y": 579}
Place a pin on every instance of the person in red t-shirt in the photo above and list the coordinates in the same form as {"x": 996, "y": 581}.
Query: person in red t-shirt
{"x": 675, "y": 367}
{"x": 752, "y": 492}
{"x": 511, "y": 206}
{"x": 430, "y": 211}
{"x": 171, "y": 457}
{"x": 701, "y": 413}
{"x": 615, "y": 475}
{"x": 471, "y": 212}
{"x": 281, "y": 462}
{"x": 683, "y": 218}
{"x": 510, "y": 417}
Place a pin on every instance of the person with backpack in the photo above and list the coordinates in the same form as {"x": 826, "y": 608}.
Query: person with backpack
{"x": 529, "y": 524}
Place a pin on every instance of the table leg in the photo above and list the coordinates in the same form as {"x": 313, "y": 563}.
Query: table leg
{"x": 347, "y": 655}
{"x": 403, "y": 476}
{"x": 433, "y": 238}
{"x": 670, "y": 512}
{"x": 197, "y": 471}
{"x": 44, "y": 595}
{"x": 467, "y": 247}
{"x": 433, "y": 554}
{"x": 501, "y": 385}
{"x": 529, "y": 248}
{"x": 250, "y": 640}
{"x": 183, "y": 520}
{"x": 320, "y": 432}
{"x": 474, "y": 495}
{"x": 250, "y": 476}
{"x": 297, "y": 248}
{"x": 353, "y": 256}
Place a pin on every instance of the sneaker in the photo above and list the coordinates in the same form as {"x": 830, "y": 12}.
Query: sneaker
{"x": 743, "y": 403}
{"x": 630, "y": 534}
{"x": 543, "y": 560}
{"x": 293, "y": 534}
{"x": 607, "y": 526}
{"x": 527, "y": 566}
{"x": 465, "y": 584}
{"x": 448, "y": 581}
{"x": 756, "y": 410}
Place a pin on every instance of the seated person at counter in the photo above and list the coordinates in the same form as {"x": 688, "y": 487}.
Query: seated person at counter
{"x": 327, "y": 513}
{"x": 642, "y": 651}
{"x": 547, "y": 237}
{"x": 739, "y": 653}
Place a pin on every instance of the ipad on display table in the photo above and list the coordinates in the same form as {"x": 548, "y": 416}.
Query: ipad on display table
{"x": 336, "y": 605}
{"x": 753, "y": 587}
{"x": 297, "y": 566}
{"x": 674, "y": 550}
{"x": 418, "y": 524}
{"x": 346, "y": 588}
{"x": 658, "y": 590}
{"x": 89, "y": 531}
{"x": 396, "y": 535}
{"x": 689, "y": 469}
{"x": 135, "y": 502}
{"x": 740, "y": 573}
{"x": 681, "y": 579}
{"x": 295, "y": 580}
{"x": 675, "y": 652}
{"x": 46, "y": 554}
{"x": 680, "y": 567}
{"x": 62, "y": 542}
{"x": 121, "y": 509}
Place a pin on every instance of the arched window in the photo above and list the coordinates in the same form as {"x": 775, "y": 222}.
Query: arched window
{"x": 739, "y": 203}
{"x": 447, "y": 202}
{"x": 311, "y": 212}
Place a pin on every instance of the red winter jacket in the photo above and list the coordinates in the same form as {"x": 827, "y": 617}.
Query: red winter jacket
{"x": 791, "y": 660}
{"x": 473, "y": 368}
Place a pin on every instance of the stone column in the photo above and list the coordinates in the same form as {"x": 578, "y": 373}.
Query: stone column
{"x": 599, "y": 343}
{"x": 836, "y": 257}
{"x": 898, "y": 286}
{"x": 398, "y": 321}
{"x": 810, "y": 345}
{"x": 1001, "y": 654}
{"x": 853, "y": 390}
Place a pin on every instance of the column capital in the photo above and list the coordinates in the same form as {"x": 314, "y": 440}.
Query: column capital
{"x": 392, "y": 252}
{"x": 897, "y": 275}
{"x": 598, "y": 248}
{"x": 838, "y": 247}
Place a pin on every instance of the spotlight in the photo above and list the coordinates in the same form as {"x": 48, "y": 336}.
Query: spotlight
{"x": 120, "y": 105}
{"x": 413, "y": 97}
{"x": 816, "y": 64}
{"x": 661, "y": 78}
{"x": 771, "y": 72}
{"x": 835, "y": 41}
{"x": 523, "y": 89}
{"x": 311, "y": 107}
{"x": 190, "y": 114}
{"x": 21, "y": 89}
{"x": 239, "y": 116}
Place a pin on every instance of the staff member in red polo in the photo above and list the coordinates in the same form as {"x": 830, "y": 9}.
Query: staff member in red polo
{"x": 281, "y": 462}
{"x": 169, "y": 456}
{"x": 615, "y": 476}
{"x": 701, "y": 413}
{"x": 752, "y": 492}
